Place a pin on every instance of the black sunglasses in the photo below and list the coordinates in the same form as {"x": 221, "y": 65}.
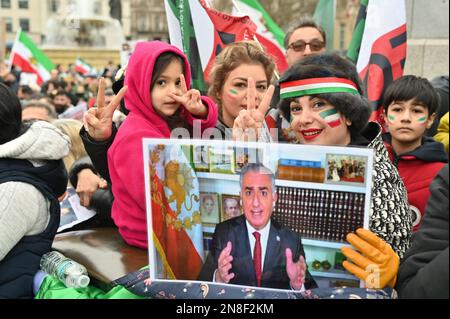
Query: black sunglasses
{"x": 300, "y": 45}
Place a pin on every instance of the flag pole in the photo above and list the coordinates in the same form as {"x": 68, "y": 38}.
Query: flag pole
{"x": 11, "y": 57}
{"x": 2, "y": 40}
{"x": 236, "y": 6}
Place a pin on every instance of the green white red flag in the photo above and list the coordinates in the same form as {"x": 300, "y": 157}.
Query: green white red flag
{"x": 83, "y": 67}
{"x": 215, "y": 30}
{"x": 182, "y": 35}
{"x": 202, "y": 33}
{"x": 379, "y": 48}
{"x": 324, "y": 15}
{"x": 268, "y": 33}
{"x": 30, "y": 59}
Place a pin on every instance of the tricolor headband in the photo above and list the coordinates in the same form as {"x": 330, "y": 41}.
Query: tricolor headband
{"x": 317, "y": 86}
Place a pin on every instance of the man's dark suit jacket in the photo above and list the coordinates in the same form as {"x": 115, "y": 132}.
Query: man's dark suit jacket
{"x": 274, "y": 271}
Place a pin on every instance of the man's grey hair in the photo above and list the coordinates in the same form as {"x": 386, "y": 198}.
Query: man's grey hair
{"x": 260, "y": 169}
{"x": 304, "y": 23}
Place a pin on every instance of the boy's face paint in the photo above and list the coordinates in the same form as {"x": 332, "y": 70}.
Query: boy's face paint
{"x": 422, "y": 120}
{"x": 408, "y": 121}
{"x": 391, "y": 118}
{"x": 315, "y": 121}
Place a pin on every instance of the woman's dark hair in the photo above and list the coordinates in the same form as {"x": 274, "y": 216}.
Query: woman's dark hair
{"x": 10, "y": 115}
{"x": 162, "y": 62}
{"x": 354, "y": 107}
{"x": 411, "y": 87}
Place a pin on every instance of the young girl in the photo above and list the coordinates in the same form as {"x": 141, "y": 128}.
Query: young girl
{"x": 240, "y": 84}
{"x": 157, "y": 78}
{"x": 322, "y": 97}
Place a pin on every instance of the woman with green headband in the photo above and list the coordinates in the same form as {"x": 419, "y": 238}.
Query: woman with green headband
{"x": 323, "y": 100}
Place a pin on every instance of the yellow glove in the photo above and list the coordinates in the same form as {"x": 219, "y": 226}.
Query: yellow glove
{"x": 377, "y": 264}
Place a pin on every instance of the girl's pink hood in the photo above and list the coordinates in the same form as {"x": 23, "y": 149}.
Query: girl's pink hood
{"x": 139, "y": 75}
{"x": 125, "y": 156}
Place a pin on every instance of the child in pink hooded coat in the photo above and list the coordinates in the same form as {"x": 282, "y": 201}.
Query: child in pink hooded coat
{"x": 158, "y": 78}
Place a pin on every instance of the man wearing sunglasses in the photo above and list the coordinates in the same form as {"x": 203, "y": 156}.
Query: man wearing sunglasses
{"x": 305, "y": 38}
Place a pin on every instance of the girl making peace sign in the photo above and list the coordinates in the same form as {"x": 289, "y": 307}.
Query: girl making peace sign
{"x": 158, "y": 99}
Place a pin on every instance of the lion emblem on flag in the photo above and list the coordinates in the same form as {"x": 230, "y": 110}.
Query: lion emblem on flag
{"x": 179, "y": 180}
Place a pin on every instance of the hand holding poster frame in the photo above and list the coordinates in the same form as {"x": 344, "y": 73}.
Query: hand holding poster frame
{"x": 175, "y": 227}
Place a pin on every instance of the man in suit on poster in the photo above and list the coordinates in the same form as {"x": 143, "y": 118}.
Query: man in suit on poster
{"x": 253, "y": 249}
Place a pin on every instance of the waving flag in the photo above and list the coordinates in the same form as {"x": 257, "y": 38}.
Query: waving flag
{"x": 215, "y": 30}
{"x": 176, "y": 220}
{"x": 182, "y": 35}
{"x": 83, "y": 67}
{"x": 380, "y": 35}
{"x": 358, "y": 31}
{"x": 202, "y": 32}
{"x": 324, "y": 15}
{"x": 269, "y": 34}
{"x": 26, "y": 55}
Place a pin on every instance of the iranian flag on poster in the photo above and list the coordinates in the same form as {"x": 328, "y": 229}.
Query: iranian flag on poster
{"x": 378, "y": 48}
{"x": 83, "y": 67}
{"x": 175, "y": 220}
{"x": 268, "y": 33}
{"x": 30, "y": 59}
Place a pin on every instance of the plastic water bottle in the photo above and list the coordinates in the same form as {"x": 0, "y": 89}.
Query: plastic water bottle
{"x": 71, "y": 273}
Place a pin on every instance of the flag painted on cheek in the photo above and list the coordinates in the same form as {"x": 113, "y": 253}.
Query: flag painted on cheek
{"x": 332, "y": 117}
{"x": 422, "y": 120}
{"x": 391, "y": 118}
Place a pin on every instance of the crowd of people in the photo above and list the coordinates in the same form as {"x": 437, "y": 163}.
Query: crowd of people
{"x": 86, "y": 132}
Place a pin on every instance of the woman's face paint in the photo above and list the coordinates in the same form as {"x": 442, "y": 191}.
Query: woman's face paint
{"x": 332, "y": 117}
{"x": 316, "y": 122}
{"x": 233, "y": 97}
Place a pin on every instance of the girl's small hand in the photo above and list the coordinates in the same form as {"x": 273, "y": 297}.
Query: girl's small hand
{"x": 191, "y": 100}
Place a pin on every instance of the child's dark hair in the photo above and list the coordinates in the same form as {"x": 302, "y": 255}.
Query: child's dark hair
{"x": 411, "y": 87}
{"x": 162, "y": 62}
{"x": 10, "y": 115}
{"x": 354, "y": 107}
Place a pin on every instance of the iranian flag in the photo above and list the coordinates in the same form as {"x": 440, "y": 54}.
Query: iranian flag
{"x": 30, "y": 59}
{"x": 324, "y": 15}
{"x": 215, "y": 30}
{"x": 82, "y": 66}
{"x": 268, "y": 33}
{"x": 182, "y": 35}
{"x": 174, "y": 219}
{"x": 202, "y": 32}
{"x": 378, "y": 48}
